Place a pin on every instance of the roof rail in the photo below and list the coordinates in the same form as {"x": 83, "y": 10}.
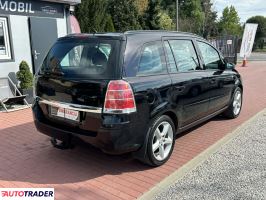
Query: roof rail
{"x": 158, "y": 31}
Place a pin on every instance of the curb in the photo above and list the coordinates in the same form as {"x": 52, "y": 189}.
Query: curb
{"x": 192, "y": 164}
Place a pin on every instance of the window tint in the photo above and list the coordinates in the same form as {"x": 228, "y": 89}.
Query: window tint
{"x": 92, "y": 58}
{"x": 185, "y": 55}
{"x": 5, "y": 50}
{"x": 72, "y": 58}
{"x": 171, "y": 60}
{"x": 151, "y": 60}
{"x": 99, "y": 56}
{"x": 210, "y": 56}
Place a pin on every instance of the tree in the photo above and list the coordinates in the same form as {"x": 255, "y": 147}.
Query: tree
{"x": 25, "y": 76}
{"x": 191, "y": 16}
{"x": 141, "y": 6}
{"x": 209, "y": 27}
{"x": 165, "y": 22}
{"x": 124, "y": 14}
{"x": 170, "y": 7}
{"x": 93, "y": 17}
{"x": 152, "y": 15}
{"x": 261, "y": 21}
{"x": 197, "y": 16}
{"x": 230, "y": 22}
{"x": 155, "y": 18}
{"x": 109, "y": 27}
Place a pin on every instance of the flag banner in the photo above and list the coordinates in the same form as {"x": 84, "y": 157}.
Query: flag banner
{"x": 248, "y": 40}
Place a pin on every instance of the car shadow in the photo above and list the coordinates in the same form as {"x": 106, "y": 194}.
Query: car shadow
{"x": 28, "y": 156}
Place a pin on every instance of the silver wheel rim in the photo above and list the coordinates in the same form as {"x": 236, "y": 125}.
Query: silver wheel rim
{"x": 162, "y": 141}
{"x": 237, "y": 103}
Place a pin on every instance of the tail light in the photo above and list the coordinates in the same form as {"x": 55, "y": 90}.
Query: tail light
{"x": 119, "y": 98}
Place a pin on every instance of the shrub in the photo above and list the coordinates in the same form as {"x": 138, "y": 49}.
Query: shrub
{"x": 25, "y": 76}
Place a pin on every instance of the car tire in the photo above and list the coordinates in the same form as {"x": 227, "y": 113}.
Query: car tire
{"x": 235, "y": 107}
{"x": 161, "y": 141}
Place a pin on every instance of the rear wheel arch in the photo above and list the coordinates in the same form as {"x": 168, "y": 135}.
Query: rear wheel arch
{"x": 150, "y": 157}
{"x": 142, "y": 153}
{"x": 173, "y": 117}
{"x": 233, "y": 92}
{"x": 230, "y": 112}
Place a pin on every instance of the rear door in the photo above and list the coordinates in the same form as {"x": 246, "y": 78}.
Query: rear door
{"x": 43, "y": 34}
{"x": 190, "y": 89}
{"x": 147, "y": 73}
{"x": 221, "y": 81}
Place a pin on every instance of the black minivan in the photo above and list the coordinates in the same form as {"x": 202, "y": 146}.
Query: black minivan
{"x": 132, "y": 91}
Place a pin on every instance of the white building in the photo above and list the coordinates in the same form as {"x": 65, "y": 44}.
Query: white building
{"x": 28, "y": 28}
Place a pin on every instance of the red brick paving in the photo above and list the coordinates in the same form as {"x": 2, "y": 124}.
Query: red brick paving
{"x": 28, "y": 160}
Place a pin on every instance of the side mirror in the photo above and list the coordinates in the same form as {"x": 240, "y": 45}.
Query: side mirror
{"x": 222, "y": 65}
{"x": 230, "y": 66}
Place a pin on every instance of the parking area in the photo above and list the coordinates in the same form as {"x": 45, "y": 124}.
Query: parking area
{"x": 28, "y": 160}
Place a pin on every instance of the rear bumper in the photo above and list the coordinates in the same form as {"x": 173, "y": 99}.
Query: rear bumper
{"x": 117, "y": 139}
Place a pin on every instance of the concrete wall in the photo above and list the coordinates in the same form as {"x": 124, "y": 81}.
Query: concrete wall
{"x": 21, "y": 42}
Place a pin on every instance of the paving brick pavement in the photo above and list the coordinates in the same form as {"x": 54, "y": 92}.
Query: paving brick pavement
{"x": 28, "y": 160}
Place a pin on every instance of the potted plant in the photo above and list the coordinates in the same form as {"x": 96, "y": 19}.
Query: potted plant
{"x": 25, "y": 78}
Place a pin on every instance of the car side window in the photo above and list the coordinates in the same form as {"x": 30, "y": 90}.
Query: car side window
{"x": 152, "y": 60}
{"x": 171, "y": 60}
{"x": 210, "y": 56}
{"x": 185, "y": 55}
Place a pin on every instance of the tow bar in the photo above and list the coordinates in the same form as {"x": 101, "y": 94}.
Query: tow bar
{"x": 63, "y": 145}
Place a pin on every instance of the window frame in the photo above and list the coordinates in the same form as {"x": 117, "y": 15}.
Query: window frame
{"x": 167, "y": 39}
{"x": 202, "y": 60}
{"x": 8, "y": 39}
{"x": 164, "y": 63}
{"x": 167, "y": 58}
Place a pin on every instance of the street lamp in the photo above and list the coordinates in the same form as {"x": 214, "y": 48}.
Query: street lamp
{"x": 177, "y": 15}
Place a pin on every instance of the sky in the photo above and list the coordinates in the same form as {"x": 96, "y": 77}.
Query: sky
{"x": 245, "y": 8}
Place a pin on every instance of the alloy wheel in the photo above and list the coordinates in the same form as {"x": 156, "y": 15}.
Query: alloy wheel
{"x": 237, "y": 103}
{"x": 162, "y": 141}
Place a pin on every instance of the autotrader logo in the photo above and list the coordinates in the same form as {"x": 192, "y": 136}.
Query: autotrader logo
{"x": 26, "y": 193}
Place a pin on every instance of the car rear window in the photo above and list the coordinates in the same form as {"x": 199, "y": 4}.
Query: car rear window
{"x": 97, "y": 59}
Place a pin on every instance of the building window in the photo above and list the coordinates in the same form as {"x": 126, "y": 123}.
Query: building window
{"x": 5, "y": 50}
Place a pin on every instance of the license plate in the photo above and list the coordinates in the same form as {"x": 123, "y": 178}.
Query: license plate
{"x": 65, "y": 113}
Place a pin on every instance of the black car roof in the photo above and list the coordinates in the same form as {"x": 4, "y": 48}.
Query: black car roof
{"x": 144, "y": 35}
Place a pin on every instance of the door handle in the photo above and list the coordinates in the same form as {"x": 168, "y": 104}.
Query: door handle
{"x": 180, "y": 88}
{"x": 36, "y": 54}
{"x": 213, "y": 81}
